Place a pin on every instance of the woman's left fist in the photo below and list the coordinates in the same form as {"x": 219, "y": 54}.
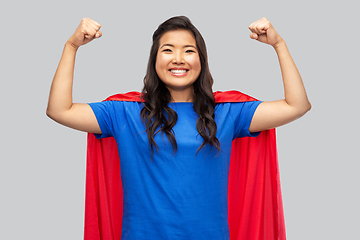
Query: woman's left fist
{"x": 264, "y": 32}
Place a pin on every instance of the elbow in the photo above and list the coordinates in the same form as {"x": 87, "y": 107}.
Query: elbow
{"x": 49, "y": 113}
{"x": 307, "y": 107}
{"x": 56, "y": 114}
{"x": 304, "y": 109}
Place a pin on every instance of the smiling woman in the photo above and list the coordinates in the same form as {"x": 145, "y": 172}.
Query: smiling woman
{"x": 178, "y": 45}
{"x": 175, "y": 184}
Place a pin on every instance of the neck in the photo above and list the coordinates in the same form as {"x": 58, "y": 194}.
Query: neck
{"x": 182, "y": 95}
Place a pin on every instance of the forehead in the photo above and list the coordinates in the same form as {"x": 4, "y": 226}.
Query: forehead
{"x": 177, "y": 37}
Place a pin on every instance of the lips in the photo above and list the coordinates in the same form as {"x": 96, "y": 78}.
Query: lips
{"x": 179, "y": 72}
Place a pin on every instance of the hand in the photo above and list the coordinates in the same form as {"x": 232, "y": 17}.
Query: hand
{"x": 87, "y": 31}
{"x": 264, "y": 32}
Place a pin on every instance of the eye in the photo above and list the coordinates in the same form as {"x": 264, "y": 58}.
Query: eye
{"x": 189, "y": 51}
{"x": 167, "y": 50}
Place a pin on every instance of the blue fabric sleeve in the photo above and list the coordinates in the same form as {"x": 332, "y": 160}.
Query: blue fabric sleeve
{"x": 102, "y": 111}
{"x": 243, "y": 114}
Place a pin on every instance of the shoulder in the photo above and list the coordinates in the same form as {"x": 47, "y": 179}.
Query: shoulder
{"x": 235, "y": 106}
{"x": 236, "y": 111}
{"x": 112, "y": 106}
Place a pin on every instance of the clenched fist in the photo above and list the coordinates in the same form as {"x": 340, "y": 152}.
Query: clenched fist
{"x": 264, "y": 32}
{"x": 87, "y": 31}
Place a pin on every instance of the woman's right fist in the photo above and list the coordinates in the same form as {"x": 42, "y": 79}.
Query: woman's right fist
{"x": 87, "y": 31}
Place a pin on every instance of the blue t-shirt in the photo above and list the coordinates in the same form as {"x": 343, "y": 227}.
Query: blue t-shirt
{"x": 177, "y": 196}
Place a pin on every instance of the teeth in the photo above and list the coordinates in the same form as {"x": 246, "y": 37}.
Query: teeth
{"x": 178, "y": 71}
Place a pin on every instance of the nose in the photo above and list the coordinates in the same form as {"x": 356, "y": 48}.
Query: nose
{"x": 178, "y": 59}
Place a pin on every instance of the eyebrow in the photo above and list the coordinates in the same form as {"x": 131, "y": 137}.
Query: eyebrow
{"x": 170, "y": 45}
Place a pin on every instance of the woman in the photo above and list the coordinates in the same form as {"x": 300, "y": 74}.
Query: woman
{"x": 175, "y": 143}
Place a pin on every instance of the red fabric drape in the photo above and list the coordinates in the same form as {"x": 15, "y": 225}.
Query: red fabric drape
{"x": 254, "y": 195}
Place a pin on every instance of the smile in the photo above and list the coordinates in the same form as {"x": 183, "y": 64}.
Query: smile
{"x": 179, "y": 72}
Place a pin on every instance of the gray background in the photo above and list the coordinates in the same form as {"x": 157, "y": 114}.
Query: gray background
{"x": 42, "y": 167}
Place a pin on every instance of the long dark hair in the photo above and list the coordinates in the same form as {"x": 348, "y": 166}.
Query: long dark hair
{"x": 156, "y": 114}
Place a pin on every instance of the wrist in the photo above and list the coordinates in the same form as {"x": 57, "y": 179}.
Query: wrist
{"x": 279, "y": 45}
{"x": 71, "y": 46}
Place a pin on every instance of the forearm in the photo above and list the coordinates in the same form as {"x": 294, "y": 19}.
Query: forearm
{"x": 60, "y": 98}
{"x": 295, "y": 94}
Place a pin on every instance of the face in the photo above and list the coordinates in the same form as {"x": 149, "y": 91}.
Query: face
{"x": 178, "y": 62}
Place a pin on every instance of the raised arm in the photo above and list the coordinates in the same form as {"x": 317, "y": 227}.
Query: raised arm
{"x": 60, "y": 106}
{"x": 295, "y": 104}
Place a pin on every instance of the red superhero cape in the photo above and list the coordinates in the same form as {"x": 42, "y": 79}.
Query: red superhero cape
{"x": 254, "y": 195}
